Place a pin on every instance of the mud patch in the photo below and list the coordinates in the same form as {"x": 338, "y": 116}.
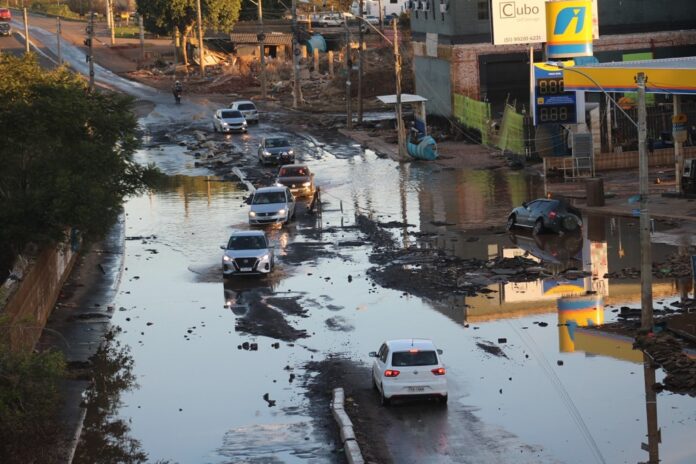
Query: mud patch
{"x": 289, "y": 305}
{"x": 302, "y": 252}
{"x": 339, "y": 324}
{"x": 490, "y": 348}
{"x": 361, "y": 403}
{"x": 262, "y": 320}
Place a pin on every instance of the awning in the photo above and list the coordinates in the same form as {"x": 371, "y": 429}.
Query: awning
{"x": 668, "y": 76}
{"x": 405, "y": 99}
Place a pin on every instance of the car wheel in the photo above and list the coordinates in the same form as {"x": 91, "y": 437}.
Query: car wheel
{"x": 538, "y": 227}
{"x": 383, "y": 400}
{"x": 374, "y": 384}
{"x": 570, "y": 223}
{"x": 510, "y": 222}
{"x": 214, "y": 128}
{"x": 443, "y": 400}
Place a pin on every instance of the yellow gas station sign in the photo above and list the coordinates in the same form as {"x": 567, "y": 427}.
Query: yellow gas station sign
{"x": 569, "y": 28}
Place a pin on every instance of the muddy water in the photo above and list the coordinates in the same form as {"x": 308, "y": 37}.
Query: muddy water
{"x": 538, "y": 392}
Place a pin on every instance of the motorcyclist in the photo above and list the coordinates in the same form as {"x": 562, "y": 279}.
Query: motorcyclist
{"x": 176, "y": 90}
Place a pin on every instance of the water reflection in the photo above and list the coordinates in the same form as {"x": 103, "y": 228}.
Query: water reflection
{"x": 654, "y": 434}
{"x": 105, "y": 437}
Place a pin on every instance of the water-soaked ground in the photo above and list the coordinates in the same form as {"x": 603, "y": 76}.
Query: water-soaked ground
{"x": 240, "y": 371}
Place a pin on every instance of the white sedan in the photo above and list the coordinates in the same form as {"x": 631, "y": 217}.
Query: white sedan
{"x": 229, "y": 121}
{"x": 409, "y": 368}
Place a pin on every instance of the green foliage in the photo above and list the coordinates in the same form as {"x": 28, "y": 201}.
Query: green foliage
{"x": 29, "y": 401}
{"x": 65, "y": 156}
{"x": 162, "y": 16}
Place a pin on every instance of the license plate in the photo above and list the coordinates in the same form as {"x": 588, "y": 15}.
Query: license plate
{"x": 245, "y": 269}
{"x": 416, "y": 389}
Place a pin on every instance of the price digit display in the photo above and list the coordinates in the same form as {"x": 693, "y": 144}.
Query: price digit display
{"x": 552, "y": 104}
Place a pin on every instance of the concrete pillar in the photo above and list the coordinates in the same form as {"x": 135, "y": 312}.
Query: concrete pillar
{"x": 678, "y": 150}
{"x": 315, "y": 53}
{"x": 304, "y": 51}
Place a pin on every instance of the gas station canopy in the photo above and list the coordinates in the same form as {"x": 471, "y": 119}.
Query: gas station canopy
{"x": 670, "y": 76}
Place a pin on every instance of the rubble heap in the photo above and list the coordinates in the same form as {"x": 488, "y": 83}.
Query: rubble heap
{"x": 667, "y": 353}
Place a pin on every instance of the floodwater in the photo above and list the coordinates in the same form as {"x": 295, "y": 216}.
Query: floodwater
{"x": 555, "y": 394}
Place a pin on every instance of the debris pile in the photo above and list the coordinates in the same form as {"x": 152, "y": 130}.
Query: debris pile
{"x": 676, "y": 266}
{"x": 667, "y": 353}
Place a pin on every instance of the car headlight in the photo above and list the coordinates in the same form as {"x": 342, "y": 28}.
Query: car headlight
{"x": 226, "y": 258}
{"x": 244, "y": 123}
{"x": 290, "y": 152}
{"x": 224, "y": 123}
{"x": 266, "y": 153}
{"x": 264, "y": 257}
{"x": 252, "y": 214}
{"x": 281, "y": 212}
{"x": 306, "y": 184}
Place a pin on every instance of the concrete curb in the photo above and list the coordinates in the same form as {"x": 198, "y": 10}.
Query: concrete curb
{"x": 350, "y": 445}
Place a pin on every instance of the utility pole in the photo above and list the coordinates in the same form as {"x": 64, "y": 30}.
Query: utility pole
{"x": 141, "y": 30}
{"x": 200, "y": 37}
{"x": 381, "y": 17}
{"x": 646, "y": 320}
{"x": 112, "y": 30}
{"x": 399, "y": 113}
{"x": 296, "y": 97}
{"x": 60, "y": 57}
{"x": 349, "y": 70}
{"x": 26, "y": 31}
{"x": 262, "y": 51}
{"x": 360, "y": 62}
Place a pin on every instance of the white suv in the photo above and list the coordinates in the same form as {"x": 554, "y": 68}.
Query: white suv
{"x": 247, "y": 108}
{"x": 409, "y": 368}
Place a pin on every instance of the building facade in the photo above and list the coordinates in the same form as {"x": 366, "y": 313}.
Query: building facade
{"x": 453, "y": 50}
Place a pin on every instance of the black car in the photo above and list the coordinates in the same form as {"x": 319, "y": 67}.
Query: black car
{"x": 544, "y": 214}
{"x": 5, "y": 29}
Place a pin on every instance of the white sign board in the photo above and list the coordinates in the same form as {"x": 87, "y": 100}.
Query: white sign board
{"x": 524, "y": 21}
{"x": 518, "y": 21}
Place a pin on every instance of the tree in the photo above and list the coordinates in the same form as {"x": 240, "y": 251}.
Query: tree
{"x": 65, "y": 154}
{"x": 165, "y": 16}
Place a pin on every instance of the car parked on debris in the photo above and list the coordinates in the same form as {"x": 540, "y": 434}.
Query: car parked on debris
{"x": 247, "y": 108}
{"x": 5, "y": 14}
{"x": 546, "y": 214}
{"x": 271, "y": 205}
{"x": 5, "y": 28}
{"x": 327, "y": 21}
{"x": 298, "y": 178}
{"x": 275, "y": 150}
{"x": 229, "y": 121}
{"x": 247, "y": 252}
{"x": 373, "y": 20}
{"x": 409, "y": 368}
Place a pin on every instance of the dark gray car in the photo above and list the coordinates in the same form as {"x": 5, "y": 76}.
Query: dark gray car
{"x": 544, "y": 214}
{"x": 276, "y": 150}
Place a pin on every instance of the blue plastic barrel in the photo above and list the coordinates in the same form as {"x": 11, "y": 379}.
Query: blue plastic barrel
{"x": 316, "y": 41}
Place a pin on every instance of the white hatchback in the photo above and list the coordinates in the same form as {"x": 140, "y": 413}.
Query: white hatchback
{"x": 409, "y": 368}
{"x": 247, "y": 108}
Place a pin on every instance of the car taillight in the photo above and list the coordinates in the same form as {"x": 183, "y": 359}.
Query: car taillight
{"x": 391, "y": 373}
{"x": 439, "y": 371}
{"x": 552, "y": 215}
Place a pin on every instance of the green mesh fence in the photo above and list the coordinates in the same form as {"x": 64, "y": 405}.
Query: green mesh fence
{"x": 511, "y": 136}
{"x": 473, "y": 114}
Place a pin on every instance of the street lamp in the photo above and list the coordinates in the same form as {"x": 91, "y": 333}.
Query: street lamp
{"x": 645, "y": 250}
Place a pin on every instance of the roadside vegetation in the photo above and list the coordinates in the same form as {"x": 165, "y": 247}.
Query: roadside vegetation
{"x": 29, "y": 402}
{"x": 66, "y": 156}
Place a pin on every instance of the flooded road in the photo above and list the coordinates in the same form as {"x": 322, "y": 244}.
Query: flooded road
{"x": 219, "y": 368}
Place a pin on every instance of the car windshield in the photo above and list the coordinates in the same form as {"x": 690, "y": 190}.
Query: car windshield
{"x": 276, "y": 143}
{"x": 248, "y": 242}
{"x": 414, "y": 358}
{"x": 267, "y": 198}
{"x": 246, "y": 107}
{"x": 293, "y": 172}
{"x": 231, "y": 114}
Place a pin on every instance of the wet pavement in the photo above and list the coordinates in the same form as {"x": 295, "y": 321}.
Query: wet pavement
{"x": 201, "y": 370}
